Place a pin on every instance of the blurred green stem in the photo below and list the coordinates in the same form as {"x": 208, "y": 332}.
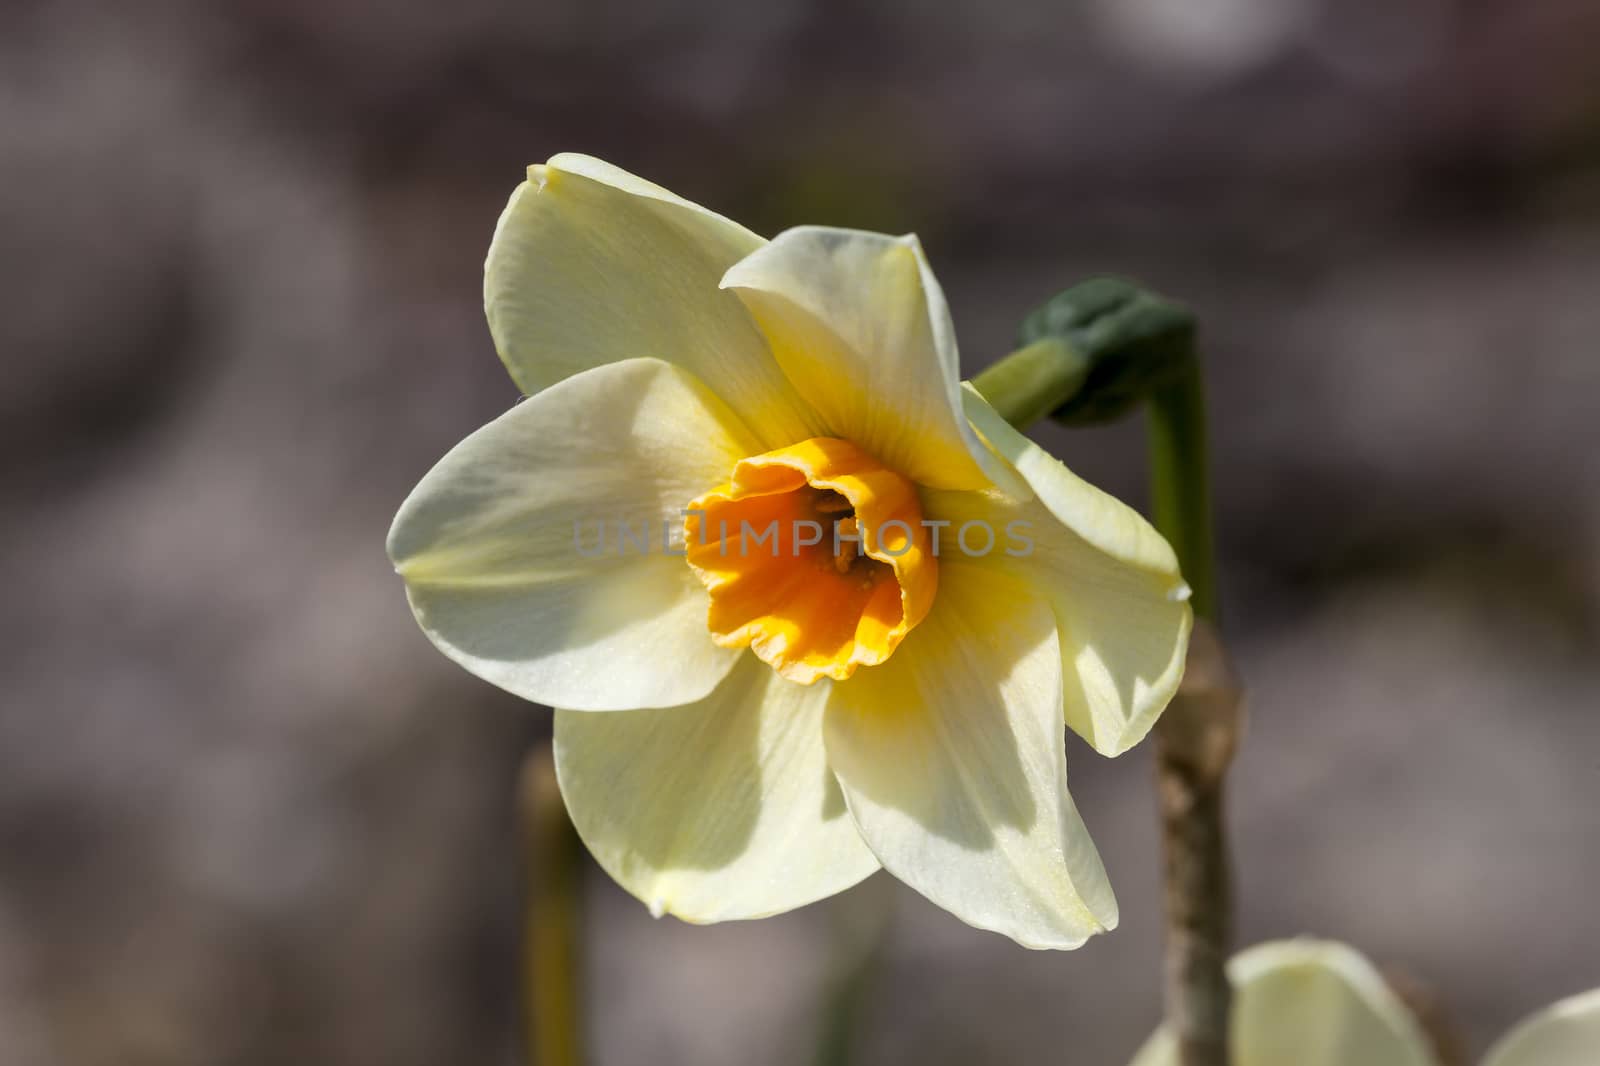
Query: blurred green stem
{"x": 861, "y": 920}
{"x": 1034, "y": 380}
{"x": 551, "y": 919}
{"x": 1195, "y": 737}
{"x": 1180, "y": 480}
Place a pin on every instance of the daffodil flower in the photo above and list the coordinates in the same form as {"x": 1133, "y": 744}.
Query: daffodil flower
{"x": 742, "y": 730}
{"x": 1321, "y": 1003}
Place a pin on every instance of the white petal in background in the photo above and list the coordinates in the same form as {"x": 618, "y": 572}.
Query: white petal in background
{"x": 1321, "y": 1003}
{"x": 952, "y": 757}
{"x": 1310, "y": 1003}
{"x": 591, "y": 265}
{"x": 860, "y": 326}
{"x": 720, "y": 809}
{"x": 1563, "y": 1034}
{"x": 488, "y": 550}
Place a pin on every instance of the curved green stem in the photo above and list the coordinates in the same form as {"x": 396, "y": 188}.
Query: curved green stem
{"x": 1034, "y": 380}
{"x": 1180, "y": 480}
{"x": 1190, "y": 778}
{"x": 1195, "y": 736}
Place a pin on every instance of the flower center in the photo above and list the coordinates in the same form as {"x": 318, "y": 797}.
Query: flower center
{"x": 816, "y": 558}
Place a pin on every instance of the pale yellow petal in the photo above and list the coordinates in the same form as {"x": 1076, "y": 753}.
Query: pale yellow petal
{"x": 1563, "y": 1034}
{"x": 499, "y": 548}
{"x": 720, "y": 809}
{"x": 860, "y": 326}
{"x": 952, "y": 757}
{"x": 1112, "y": 581}
{"x": 1099, "y": 518}
{"x": 1310, "y": 1003}
{"x": 591, "y": 265}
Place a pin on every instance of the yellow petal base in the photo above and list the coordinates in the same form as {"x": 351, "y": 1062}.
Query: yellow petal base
{"x": 816, "y": 558}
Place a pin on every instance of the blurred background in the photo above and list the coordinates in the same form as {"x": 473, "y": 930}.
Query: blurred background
{"x": 249, "y": 816}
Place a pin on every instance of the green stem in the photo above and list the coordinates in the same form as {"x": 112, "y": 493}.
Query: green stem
{"x": 1034, "y": 380}
{"x": 1180, "y": 482}
{"x": 861, "y": 922}
{"x": 1190, "y": 780}
{"x": 1195, "y": 737}
{"x": 551, "y": 919}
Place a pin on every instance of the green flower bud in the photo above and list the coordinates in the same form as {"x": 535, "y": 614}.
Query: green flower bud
{"x": 1130, "y": 339}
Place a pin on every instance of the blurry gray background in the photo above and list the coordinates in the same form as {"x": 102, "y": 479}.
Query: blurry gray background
{"x": 248, "y": 816}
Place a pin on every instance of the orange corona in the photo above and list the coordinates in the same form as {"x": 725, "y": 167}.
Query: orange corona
{"x": 816, "y": 558}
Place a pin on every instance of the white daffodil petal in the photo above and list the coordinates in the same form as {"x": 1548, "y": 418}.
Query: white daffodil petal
{"x": 1311, "y": 1003}
{"x": 1120, "y": 604}
{"x": 953, "y": 760}
{"x": 591, "y": 265}
{"x": 861, "y": 328}
{"x": 1101, "y": 519}
{"x": 500, "y": 548}
{"x": 1563, "y": 1034}
{"x": 720, "y": 809}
